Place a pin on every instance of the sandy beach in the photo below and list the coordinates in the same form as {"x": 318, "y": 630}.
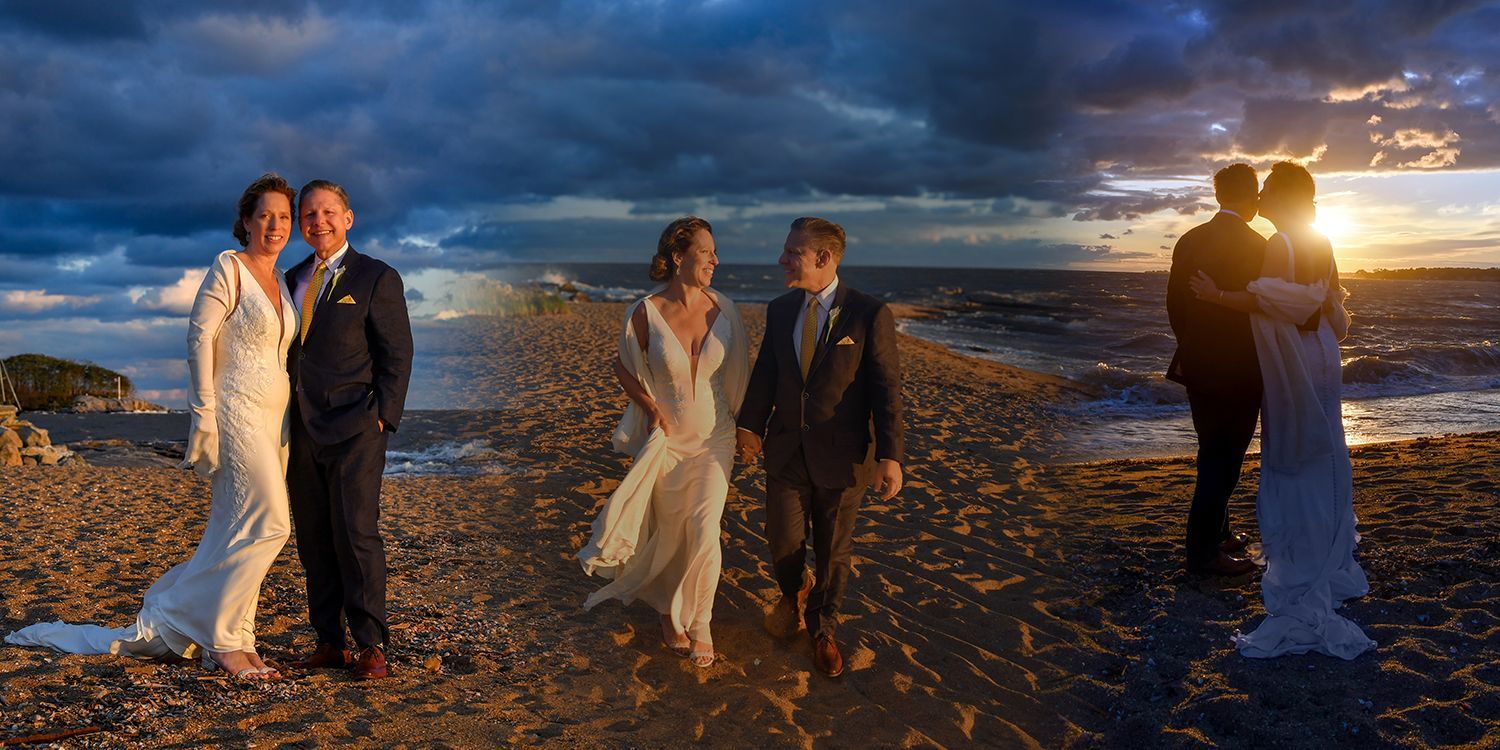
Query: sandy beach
{"x": 997, "y": 601}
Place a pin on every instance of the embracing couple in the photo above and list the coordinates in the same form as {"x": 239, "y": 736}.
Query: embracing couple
{"x": 822, "y": 402}
{"x": 1258, "y": 325}
{"x": 297, "y": 380}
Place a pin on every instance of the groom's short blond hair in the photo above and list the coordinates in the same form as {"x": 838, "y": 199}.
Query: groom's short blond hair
{"x": 822, "y": 234}
{"x": 329, "y": 185}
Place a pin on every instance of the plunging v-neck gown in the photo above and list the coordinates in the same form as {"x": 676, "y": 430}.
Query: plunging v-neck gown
{"x": 237, "y": 355}
{"x": 676, "y": 568}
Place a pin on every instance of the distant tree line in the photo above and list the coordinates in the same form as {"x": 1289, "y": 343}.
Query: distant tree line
{"x": 1431, "y": 274}
{"x": 48, "y": 383}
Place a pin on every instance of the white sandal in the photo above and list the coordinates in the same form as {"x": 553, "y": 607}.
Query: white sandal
{"x": 680, "y": 649}
{"x": 697, "y": 656}
{"x": 248, "y": 674}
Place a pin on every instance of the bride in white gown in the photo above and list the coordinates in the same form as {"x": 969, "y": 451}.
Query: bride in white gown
{"x": 242, "y": 324}
{"x": 684, "y": 361}
{"x": 1306, "y": 502}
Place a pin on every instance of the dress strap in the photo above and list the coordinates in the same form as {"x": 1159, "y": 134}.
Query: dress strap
{"x": 1291, "y": 257}
{"x": 237, "y": 287}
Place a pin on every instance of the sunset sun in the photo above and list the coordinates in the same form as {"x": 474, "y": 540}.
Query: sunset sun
{"x": 1336, "y": 223}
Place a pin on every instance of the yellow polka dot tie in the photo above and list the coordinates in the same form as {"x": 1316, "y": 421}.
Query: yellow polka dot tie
{"x": 310, "y": 299}
{"x": 809, "y": 335}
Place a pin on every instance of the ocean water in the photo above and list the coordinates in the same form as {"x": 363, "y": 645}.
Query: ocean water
{"x": 1423, "y": 357}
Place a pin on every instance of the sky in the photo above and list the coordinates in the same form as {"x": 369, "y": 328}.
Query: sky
{"x": 1063, "y": 134}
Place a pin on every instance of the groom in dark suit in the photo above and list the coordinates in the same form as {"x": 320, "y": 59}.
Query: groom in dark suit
{"x": 1215, "y": 360}
{"x": 824, "y": 401}
{"x": 349, "y": 365}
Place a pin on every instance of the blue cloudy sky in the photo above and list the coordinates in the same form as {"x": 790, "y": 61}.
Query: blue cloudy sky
{"x": 1008, "y": 134}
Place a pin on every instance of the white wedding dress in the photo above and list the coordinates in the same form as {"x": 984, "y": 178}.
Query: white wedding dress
{"x": 237, "y": 364}
{"x": 1306, "y": 501}
{"x": 657, "y": 536}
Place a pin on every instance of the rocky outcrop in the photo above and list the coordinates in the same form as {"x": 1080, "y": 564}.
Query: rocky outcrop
{"x": 23, "y": 443}
{"x": 10, "y": 447}
{"x": 95, "y": 405}
{"x": 46, "y": 455}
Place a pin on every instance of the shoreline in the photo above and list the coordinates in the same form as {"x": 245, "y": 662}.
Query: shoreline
{"x": 1254, "y": 455}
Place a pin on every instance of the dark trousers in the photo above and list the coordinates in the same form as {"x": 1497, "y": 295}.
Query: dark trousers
{"x": 335, "y": 499}
{"x": 1225, "y": 423}
{"x": 793, "y": 504}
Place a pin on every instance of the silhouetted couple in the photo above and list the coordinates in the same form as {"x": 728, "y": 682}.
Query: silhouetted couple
{"x": 1258, "y": 324}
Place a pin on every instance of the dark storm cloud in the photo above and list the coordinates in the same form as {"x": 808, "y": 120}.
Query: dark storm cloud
{"x": 1135, "y": 204}
{"x": 147, "y": 118}
{"x": 75, "y": 19}
{"x": 1147, "y": 67}
{"x": 128, "y": 129}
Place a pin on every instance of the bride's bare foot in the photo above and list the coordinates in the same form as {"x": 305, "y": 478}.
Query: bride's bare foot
{"x": 676, "y": 642}
{"x": 236, "y": 663}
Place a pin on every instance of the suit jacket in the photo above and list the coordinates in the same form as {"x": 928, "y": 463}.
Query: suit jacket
{"x": 1215, "y": 350}
{"x": 356, "y": 362}
{"x": 851, "y": 398}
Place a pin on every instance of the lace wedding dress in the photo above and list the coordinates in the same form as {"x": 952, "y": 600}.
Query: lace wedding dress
{"x": 237, "y": 347}
{"x": 1306, "y": 501}
{"x": 658, "y": 534}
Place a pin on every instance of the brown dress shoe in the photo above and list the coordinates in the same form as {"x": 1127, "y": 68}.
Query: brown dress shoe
{"x": 1235, "y": 544}
{"x": 1224, "y": 565}
{"x": 784, "y": 621}
{"x": 325, "y": 656}
{"x": 826, "y": 656}
{"x": 369, "y": 664}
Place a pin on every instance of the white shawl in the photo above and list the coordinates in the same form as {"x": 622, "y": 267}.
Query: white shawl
{"x": 1293, "y": 429}
{"x": 626, "y": 515}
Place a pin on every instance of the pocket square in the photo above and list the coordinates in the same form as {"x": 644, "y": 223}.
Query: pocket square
{"x": 347, "y": 300}
{"x": 845, "y": 341}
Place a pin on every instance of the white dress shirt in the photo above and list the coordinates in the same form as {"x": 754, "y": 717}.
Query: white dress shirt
{"x": 299, "y": 293}
{"x": 824, "y": 308}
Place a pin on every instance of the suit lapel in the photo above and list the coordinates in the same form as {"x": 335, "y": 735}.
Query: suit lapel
{"x": 837, "y": 323}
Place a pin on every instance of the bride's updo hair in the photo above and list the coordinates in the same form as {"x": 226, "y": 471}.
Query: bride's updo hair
{"x": 676, "y": 238}
{"x": 1289, "y": 190}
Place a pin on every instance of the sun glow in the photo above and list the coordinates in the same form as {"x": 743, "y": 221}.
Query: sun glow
{"x": 1337, "y": 224}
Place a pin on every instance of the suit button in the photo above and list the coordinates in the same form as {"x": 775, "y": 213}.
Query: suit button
{"x": 804, "y": 395}
{"x": 805, "y": 428}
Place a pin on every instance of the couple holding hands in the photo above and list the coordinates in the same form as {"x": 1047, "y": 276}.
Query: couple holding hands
{"x": 822, "y": 403}
{"x": 297, "y": 380}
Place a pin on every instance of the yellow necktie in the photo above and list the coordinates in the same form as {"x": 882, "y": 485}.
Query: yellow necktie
{"x": 809, "y": 335}
{"x": 310, "y": 299}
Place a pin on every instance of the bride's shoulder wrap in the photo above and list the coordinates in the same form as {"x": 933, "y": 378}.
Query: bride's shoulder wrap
{"x": 217, "y": 297}
{"x": 1293, "y": 430}
{"x": 630, "y": 435}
